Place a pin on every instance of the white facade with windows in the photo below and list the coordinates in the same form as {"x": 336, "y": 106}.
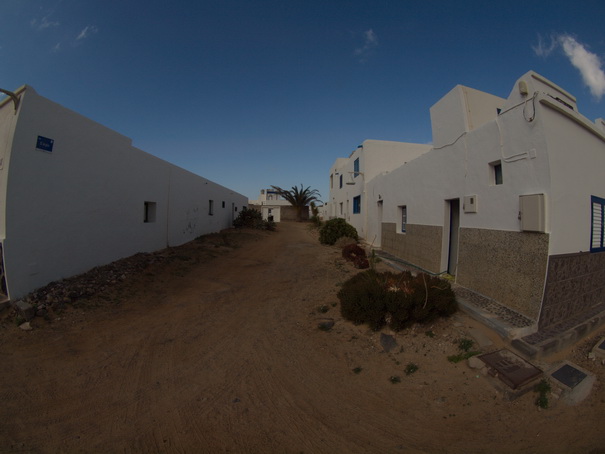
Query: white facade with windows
{"x": 509, "y": 199}
{"x": 349, "y": 178}
{"x": 75, "y": 195}
{"x": 270, "y": 204}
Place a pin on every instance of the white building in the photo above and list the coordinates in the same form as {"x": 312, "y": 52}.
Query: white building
{"x": 349, "y": 178}
{"x": 510, "y": 199}
{"x": 75, "y": 194}
{"x": 271, "y": 205}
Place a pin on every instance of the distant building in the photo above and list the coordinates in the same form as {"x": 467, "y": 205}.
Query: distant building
{"x": 271, "y": 205}
{"x": 75, "y": 194}
{"x": 510, "y": 199}
{"x": 274, "y": 207}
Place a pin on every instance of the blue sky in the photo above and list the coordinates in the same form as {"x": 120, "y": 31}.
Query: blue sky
{"x": 258, "y": 93}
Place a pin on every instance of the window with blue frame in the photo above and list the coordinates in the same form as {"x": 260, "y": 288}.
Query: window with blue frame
{"x": 357, "y": 204}
{"x": 597, "y": 240}
{"x": 356, "y": 167}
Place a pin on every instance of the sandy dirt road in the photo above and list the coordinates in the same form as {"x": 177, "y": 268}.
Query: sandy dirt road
{"x": 219, "y": 351}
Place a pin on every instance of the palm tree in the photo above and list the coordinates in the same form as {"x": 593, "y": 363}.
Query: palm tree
{"x": 299, "y": 198}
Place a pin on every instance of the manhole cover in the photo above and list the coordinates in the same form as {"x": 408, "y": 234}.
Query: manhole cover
{"x": 569, "y": 375}
{"x": 510, "y": 368}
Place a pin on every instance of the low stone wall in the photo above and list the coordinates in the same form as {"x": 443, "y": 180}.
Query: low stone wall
{"x": 420, "y": 245}
{"x": 575, "y": 285}
{"x": 509, "y": 267}
{"x": 288, "y": 213}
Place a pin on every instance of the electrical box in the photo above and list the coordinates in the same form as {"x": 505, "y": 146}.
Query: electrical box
{"x": 532, "y": 213}
{"x": 470, "y": 204}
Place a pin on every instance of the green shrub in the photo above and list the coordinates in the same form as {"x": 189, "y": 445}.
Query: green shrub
{"x": 315, "y": 221}
{"x": 269, "y": 225}
{"x": 334, "y": 229}
{"x": 542, "y": 388}
{"x": 411, "y": 368}
{"x": 363, "y": 300}
{"x": 252, "y": 219}
{"x": 372, "y": 298}
{"x": 464, "y": 345}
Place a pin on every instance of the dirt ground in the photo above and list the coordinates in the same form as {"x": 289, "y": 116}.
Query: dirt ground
{"x": 218, "y": 350}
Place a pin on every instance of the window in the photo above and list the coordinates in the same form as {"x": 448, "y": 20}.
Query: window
{"x": 211, "y": 207}
{"x": 496, "y": 173}
{"x": 331, "y": 181}
{"x": 356, "y": 167}
{"x": 357, "y": 204}
{"x": 403, "y": 217}
{"x": 597, "y": 240}
{"x": 341, "y": 180}
{"x": 223, "y": 204}
{"x": 341, "y": 208}
{"x": 149, "y": 212}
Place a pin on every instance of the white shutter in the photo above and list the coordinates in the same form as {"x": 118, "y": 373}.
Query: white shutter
{"x": 597, "y": 226}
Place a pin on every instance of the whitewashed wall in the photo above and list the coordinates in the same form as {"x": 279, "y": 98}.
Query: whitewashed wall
{"x": 376, "y": 157}
{"x": 461, "y": 110}
{"x": 544, "y": 148}
{"x": 82, "y": 205}
{"x": 577, "y": 165}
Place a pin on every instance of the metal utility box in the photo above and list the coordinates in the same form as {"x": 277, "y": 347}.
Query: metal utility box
{"x": 470, "y": 204}
{"x": 532, "y": 213}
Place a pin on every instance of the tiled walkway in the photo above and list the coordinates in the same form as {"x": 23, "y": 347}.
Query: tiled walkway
{"x": 506, "y": 315}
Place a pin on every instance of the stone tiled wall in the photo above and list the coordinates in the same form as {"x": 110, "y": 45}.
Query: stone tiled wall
{"x": 509, "y": 267}
{"x": 575, "y": 284}
{"x": 420, "y": 245}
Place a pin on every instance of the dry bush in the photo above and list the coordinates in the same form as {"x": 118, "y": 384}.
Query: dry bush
{"x": 356, "y": 254}
{"x": 402, "y": 299}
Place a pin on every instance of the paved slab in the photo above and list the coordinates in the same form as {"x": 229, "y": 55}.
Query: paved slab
{"x": 511, "y": 369}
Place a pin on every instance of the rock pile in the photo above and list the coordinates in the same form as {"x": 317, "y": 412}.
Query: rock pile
{"x": 54, "y": 296}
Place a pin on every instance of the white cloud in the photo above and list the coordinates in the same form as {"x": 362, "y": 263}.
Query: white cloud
{"x": 370, "y": 42}
{"x": 43, "y": 23}
{"x": 588, "y": 63}
{"x": 542, "y": 50}
{"x": 87, "y": 31}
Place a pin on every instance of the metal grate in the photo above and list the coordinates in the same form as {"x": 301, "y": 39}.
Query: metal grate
{"x": 569, "y": 375}
{"x": 510, "y": 368}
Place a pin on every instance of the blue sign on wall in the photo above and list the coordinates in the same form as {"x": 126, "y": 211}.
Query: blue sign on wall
{"x": 44, "y": 143}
